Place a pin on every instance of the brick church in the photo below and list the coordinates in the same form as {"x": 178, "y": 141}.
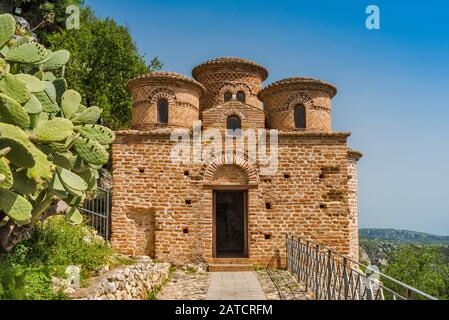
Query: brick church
{"x": 225, "y": 209}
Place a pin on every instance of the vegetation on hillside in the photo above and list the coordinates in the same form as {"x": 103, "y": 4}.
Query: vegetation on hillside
{"x": 423, "y": 267}
{"x": 27, "y": 271}
{"x": 402, "y": 236}
{"x": 417, "y": 259}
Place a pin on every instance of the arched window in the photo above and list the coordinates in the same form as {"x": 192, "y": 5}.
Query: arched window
{"x": 162, "y": 111}
{"x": 300, "y": 116}
{"x": 233, "y": 123}
{"x": 227, "y": 96}
{"x": 241, "y": 96}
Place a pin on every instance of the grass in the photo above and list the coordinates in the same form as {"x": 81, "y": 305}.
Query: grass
{"x": 152, "y": 294}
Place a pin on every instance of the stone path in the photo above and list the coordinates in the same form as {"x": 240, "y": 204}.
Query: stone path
{"x": 186, "y": 285}
{"x": 256, "y": 285}
{"x": 234, "y": 286}
{"x": 284, "y": 287}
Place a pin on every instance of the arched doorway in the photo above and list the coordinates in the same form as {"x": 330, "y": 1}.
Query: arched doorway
{"x": 230, "y": 177}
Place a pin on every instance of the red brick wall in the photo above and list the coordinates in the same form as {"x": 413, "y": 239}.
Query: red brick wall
{"x": 311, "y": 201}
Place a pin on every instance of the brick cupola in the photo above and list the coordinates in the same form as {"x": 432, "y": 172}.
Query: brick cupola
{"x": 164, "y": 99}
{"x": 228, "y": 79}
{"x": 298, "y": 104}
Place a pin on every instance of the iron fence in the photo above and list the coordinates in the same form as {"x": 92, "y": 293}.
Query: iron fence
{"x": 97, "y": 210}
{"x": 328, "y": 275}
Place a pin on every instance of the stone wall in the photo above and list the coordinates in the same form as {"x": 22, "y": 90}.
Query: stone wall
{"x": 353, "y": 157}
{"x": 126, "y": 283}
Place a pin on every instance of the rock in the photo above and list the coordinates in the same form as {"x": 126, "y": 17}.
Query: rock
{"x": 126, "y": 283}
{"x": 73, "y": 276}
{"x": 69, "y": 291}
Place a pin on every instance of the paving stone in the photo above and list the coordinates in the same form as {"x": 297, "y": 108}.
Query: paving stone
{"x": 234, "y": 286}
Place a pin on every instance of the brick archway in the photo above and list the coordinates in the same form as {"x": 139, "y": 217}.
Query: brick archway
{"x": 210, "y": 168}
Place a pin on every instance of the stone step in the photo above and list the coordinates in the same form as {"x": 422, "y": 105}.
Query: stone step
{"x": 229, "y": 267}
{"x": 230, "y": 261}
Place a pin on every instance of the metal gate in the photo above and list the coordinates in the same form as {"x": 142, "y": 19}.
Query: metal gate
{"x": 97, "y": 211}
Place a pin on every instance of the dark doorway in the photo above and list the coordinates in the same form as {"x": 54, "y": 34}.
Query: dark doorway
{"x": 230, "y": 224}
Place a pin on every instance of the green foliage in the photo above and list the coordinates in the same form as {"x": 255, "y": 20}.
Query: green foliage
{"x": 423, "y": 267}
{"x": 39, "y": 146}
{"x": 46, "y": 16}
{"x": 26, "y": 272}
{"x": 103, "y": 58}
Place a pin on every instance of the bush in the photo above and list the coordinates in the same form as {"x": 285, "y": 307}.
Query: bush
{"x": 424, "y": 267}
{"x": 26, "y": 272}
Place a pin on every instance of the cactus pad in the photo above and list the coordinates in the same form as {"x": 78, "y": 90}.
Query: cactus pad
{"x": 7, "y": 28}
{"x": 3, "y": 66}
{"x": 12, "y": 112}
{"x": 71, "y": 180}
{"x": 48, "y": 76}
{"x": 42, "y": 155}
{"x": 73, "y": 216}
{"x": 19, "y": 154}
{"x": 23, "y": 184}
{"x": 47, "y": 104}
{"x": 13, "y": 87}
{"x": 40, "y": 75}
{"x": 30, "y": 52}
{"x": 61, "y": 87}
{"x": 57, "y": 188}
{"x": 97, "y": 132}
{"x": 33, "y": 84}
{"x": 57, "y": 129}
{"x": 33, "y": 105}
{"x": 6, "y": 179}
{"x": 89, "y": 177}
{"x": 88, "y": 116}
{"x": 56, "y": 60}
{"x": 63, "y": 160}
{"x": 43, "y": 169}
{"x": 16, "y": 207}
{"x": 91, "y": 151}
{"x": 70, "y": 102}
{"x": 50, "y": 90}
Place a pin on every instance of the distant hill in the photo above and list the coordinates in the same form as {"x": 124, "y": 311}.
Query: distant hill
{"x": 402, "y": 236}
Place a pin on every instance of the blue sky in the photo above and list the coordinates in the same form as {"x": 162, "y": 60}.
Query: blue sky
{"x": 393, "y": 83}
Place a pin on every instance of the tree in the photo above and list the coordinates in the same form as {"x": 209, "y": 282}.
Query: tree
{"x": 423, "y": 267}
{"x": 103, "y": 58}
{"x": 44, "y": 16}
{"x": 103, "y": 55}
{"x": 51, "y": 146}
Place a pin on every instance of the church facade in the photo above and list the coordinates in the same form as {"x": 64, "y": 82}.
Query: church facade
{"x": 228, "y": 208}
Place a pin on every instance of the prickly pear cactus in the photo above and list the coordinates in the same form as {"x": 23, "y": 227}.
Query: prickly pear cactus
{"x": 51, "y": 146}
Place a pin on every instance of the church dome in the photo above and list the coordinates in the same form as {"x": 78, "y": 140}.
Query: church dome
{"x": 164, "y": 99}
{"x": 298, "y": 103}
{"x": 230, "y": 78}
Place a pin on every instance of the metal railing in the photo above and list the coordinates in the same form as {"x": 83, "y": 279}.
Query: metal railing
{"x": 97, "y": 210}
{"x": 328, "y": 275}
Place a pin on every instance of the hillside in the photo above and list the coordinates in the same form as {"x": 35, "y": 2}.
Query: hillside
{"x": 402, "y": 236}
